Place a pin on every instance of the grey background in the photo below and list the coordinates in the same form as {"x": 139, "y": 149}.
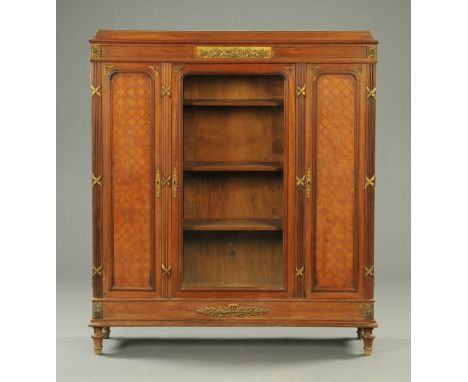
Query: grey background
{"x": 233, "y": 354}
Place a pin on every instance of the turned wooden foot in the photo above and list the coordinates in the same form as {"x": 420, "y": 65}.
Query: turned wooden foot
{"x": 97, "y": 339}
{"x": 359, "y": 332}
{"x": 368, "y": 339}
{"x": 106, "y": 331}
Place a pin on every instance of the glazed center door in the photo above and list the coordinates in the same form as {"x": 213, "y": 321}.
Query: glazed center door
{"x": 232, "y": 180}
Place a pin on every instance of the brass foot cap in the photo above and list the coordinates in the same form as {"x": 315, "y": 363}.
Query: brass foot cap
{"x": 367, "y": 352}
{"x": 98, "y": 351}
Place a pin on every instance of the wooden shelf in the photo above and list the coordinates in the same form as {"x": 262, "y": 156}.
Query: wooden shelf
{"x": 233, "y": 166}
{"x": 233, "y": 224}
{"x": 234, "y": 102}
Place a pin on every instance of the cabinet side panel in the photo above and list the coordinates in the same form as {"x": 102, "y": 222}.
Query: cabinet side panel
{"x": 132, "y": 181}
{"x": 335, "y": 182}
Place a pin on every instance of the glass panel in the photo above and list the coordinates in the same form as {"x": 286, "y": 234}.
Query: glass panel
{"x": 233, "y": 182}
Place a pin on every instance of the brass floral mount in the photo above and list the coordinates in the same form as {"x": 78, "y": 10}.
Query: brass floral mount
{"x": 301, "y": 90}
{"x": 369, "y": 271}
{"x": 299, "y": 272}
{"x": 372, "y": 52}
{"x": 166, "y": 90}
{"x": 174, "y": 182}
{"x": 108, "y": 69}
{"x": 371, "y": 93}
{"x": 370, "y": 181}
{"x": 95, "y": 90}
{"x": 95, "y": 51}
{"x": 314, "y": 69}
{"x": 232, "y": 310}
{"x": 98, "y": 310}
{"x": 300, "y": 181}
{"x": 97, "y": 271}
{"x": 289, "y": 69}
{"x": 367, "y": 311}
{"x": 154, "y": 69}
{"x": 177, "y": 69}
{"x": 166, "y": 271}
{"x": 96, "y": 180}
{"x": 359, "y": 68}
{"x": 309, "y": 182}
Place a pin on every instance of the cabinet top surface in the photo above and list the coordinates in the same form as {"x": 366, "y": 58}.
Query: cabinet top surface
{"x": 280, "y": 37}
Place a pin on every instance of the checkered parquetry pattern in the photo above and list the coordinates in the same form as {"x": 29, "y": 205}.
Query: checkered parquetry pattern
{"x": 335, "y": 141}
{"x": 131, "y": 179}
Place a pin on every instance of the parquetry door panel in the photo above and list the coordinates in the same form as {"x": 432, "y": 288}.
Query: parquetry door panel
{"x": 334, "y": 125}
{"x": 131, "y": 136}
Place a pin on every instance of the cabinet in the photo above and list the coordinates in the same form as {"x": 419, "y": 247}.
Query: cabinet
{"x": 233, "y": 179}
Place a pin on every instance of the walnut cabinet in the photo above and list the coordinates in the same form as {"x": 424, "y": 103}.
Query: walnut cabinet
{"x": 233, "y": 179}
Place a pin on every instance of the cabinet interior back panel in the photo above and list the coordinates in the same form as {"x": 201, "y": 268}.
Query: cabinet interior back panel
{"x": 233, "y": 134}
{"x": 233, "y": 196}
{"x": 132, "y": 180}
{"x": 233, "y": 87}
{"x": 233, "y": 260}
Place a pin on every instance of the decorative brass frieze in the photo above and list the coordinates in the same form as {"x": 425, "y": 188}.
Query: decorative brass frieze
{"x": 98, "y": 310}
{"x": 367, "y": 310}
{"x": 96, "y": 180}
{"x": 233, "y": 51}
{"x": 299, "y": 272}
{"x": 370, "y": 181}
{"x": 369, "y": 272}
{"x": 308, "y": 183}
{"x": 95, "y": 90}
{"x": 232, "y": 310}
{"x": 97, "y": 271}
{"x": 166, "y": 270}
{"x": 107, "y": 69}
{"x": 301, "y": 90}
{"x": 154, "y": 69}
{"x": 95, "y": 51}
{"x": 300, "y": 181}
{"x": 371, "y": 52}
{"x": 371, "y": 93}
{"x": 314, "y": 69}
{"x": 166, "y": 90}
{"x": 174, "y": 182}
